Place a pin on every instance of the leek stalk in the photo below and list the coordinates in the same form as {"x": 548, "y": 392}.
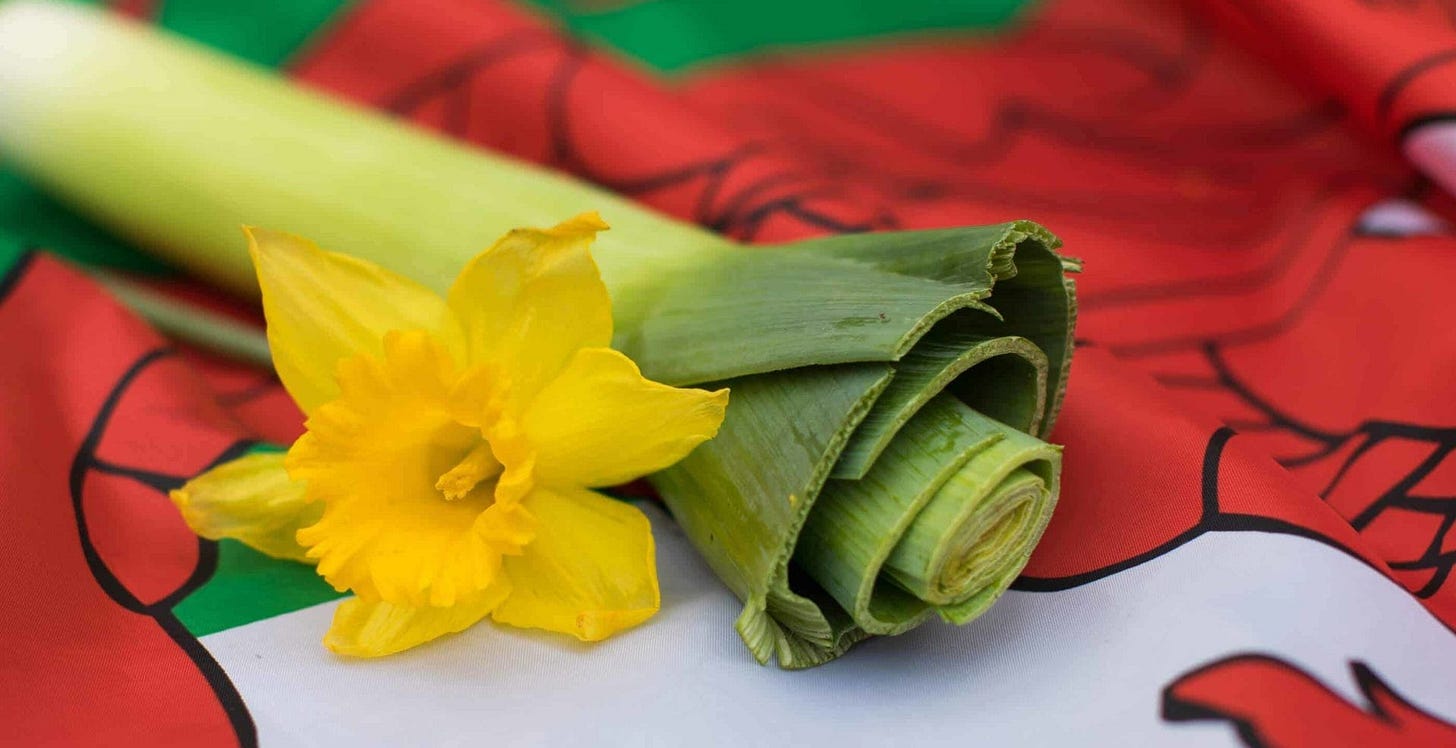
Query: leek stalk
{"x": 881, "y": 459}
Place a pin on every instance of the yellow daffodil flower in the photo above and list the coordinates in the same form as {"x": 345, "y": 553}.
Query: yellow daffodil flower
{"x": 453, "y": 443}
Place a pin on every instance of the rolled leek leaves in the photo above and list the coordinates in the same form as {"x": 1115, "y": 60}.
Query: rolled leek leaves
{"x": 881, "y": 460}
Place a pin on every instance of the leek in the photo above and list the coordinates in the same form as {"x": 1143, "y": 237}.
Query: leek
{"x": 882, "y": 460}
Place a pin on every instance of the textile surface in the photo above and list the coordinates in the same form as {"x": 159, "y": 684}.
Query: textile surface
{"x": 1255, "y": 539}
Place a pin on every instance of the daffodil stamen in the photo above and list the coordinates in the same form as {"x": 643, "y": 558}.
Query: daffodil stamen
{"x": 479, "y": 464}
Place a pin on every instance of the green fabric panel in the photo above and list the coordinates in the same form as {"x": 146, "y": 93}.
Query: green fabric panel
{"x": 249, "y": 586}
{"x": 264, "y": 32}
{"x": 673, "y": 34}
{"x": 11, "y": 250}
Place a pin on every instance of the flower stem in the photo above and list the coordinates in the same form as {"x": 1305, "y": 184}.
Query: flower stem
{"x": 190, "y": 323}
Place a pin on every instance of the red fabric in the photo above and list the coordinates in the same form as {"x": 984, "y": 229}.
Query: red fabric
{"x": 1392, "y": 63}
{"x": 99, "y": 416}
{"x": 1272, "y": 702}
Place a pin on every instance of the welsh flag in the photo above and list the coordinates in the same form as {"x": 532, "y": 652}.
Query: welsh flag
{"x": 1255, "y": 539}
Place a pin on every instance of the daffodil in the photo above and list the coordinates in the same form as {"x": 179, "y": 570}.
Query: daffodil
{"x": 453, "y": 443}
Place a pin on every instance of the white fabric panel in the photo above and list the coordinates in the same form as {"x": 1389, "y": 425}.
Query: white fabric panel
{"x": 1084, "y": 666}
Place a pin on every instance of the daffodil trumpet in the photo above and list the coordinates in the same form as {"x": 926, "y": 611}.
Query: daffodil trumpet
{"x": 882, "y": 458}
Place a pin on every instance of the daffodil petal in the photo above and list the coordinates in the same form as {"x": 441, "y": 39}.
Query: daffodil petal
{"x": 601, "y": 423}
{"x": 374, "y": 456}
{"x": 532, "y": 300}
{"x": 252, "y": 500}
{"x": 590, "y": 572}
{"x": 323, "y": 307}
{"x": 375, "y": 629}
